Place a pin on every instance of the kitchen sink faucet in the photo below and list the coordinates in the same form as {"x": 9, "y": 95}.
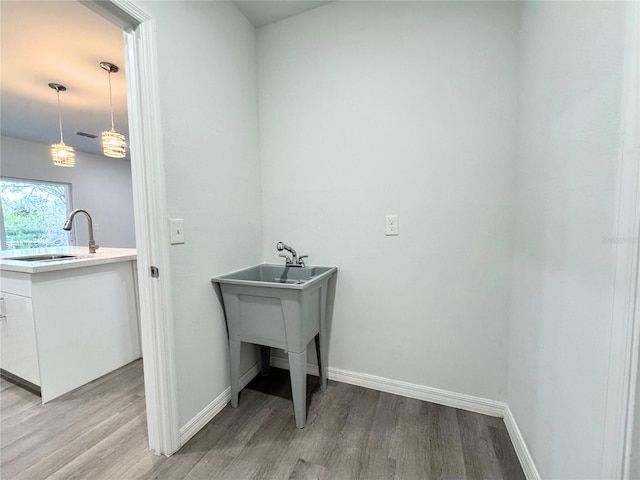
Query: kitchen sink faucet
{"x": 67, "y": 226}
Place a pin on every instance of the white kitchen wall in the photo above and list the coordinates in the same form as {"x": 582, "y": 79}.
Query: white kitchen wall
{"x": 206, "y": 54}
{"x": 565, "y": 205}
{"x": 100, "y": 185}
{"x": 408, "y": 108}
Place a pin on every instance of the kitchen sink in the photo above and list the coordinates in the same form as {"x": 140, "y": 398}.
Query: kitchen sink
{"x": 51, "y": 257}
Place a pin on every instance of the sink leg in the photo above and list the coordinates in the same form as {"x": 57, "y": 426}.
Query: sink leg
{"x": 234, "y": 351}
{"x": 298, "y": 372}
{"x": 265, "y": 353}
{"x": 321, "y": 364}
{"x": 322, "y": 349}
{"x": 321, "y": 341}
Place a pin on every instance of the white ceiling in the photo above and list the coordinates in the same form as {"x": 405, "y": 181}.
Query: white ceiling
{"x": 63, "y": 42}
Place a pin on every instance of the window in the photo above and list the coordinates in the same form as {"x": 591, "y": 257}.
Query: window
{"x": 33, "y": 213}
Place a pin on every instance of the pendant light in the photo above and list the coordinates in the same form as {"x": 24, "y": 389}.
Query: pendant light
{"x": 113, "y": 143}
{"x": 61, "y": 154}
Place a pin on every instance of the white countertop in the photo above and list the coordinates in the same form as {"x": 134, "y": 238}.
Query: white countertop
{"x": 84, "y": 259}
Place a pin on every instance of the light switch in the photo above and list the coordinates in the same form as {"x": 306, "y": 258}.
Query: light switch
{"x": 177, "y": 230}
{"x": 391, "y": 225}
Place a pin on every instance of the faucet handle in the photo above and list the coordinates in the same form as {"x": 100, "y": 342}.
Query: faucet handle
{"x": 301, "y": 260}
{"x": 286, "y": 257}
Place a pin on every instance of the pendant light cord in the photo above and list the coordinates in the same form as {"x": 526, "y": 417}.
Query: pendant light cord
{"x": 60, "y": 116}
{"x": 111, "y": 101}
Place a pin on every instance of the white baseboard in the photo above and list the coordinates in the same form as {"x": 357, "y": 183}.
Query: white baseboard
{"x": 207, "y": 413}
{"x": 526, "y": 460}
{"x": 406, "y": 389}
{"x": 420, "y": 392}
{"x": 282, "y": 362}
{"x": 463, "y": 401}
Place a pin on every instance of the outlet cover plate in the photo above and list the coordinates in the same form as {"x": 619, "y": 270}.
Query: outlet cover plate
{"x": 391, "y": 225}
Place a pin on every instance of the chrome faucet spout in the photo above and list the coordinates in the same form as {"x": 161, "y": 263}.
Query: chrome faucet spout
{"x": 67, "y": 226}
{"x": 283, "y": 246}
{"x": 295, "y": 261}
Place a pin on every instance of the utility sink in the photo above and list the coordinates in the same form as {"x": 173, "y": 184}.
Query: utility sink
{"x": 282, "y": 307}
{"x": 267, "y": 275}
{"x": 44, "y": 258}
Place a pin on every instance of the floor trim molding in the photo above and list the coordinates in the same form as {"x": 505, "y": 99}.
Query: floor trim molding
{"x": 463, "y": 401}
{"x": 526, "y": 460}
{"x": 207, "y": 413}
{"x": 471, "y": 403}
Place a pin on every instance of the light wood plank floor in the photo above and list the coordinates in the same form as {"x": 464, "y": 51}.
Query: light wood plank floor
{"x": 99, "y": 432}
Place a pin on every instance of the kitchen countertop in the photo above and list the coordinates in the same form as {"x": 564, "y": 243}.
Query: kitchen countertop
{"x": 85, "y": 259}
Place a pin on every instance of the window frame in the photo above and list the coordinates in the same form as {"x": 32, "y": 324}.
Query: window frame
{"x": 69, "y": 206}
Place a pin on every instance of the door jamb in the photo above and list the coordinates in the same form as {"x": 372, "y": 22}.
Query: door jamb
{"x": 625, "y": 321}
{"x": 150, "y": 210}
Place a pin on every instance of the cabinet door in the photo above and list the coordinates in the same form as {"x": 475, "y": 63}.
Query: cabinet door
{"x": 18, "y": 350}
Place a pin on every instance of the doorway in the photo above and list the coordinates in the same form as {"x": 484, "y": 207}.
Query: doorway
{"x": 147, "y": 165}
{"x": 148, "y": 203}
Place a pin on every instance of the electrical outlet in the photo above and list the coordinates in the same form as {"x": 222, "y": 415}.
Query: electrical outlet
{"x": 176, "y": 225}
{"x": 391, "y": 225}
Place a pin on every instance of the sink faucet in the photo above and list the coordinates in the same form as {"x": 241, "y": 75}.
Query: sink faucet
{"x": 67, "y": 226}
{"x": 295, "y": 261}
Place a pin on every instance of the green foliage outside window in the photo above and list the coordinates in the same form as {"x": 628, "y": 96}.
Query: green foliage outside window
{"x": 34, "y": 213}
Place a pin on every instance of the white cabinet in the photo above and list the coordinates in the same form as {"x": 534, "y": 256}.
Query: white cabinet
{"x": 18, "y": 348}
{"x": 66, "y": 327}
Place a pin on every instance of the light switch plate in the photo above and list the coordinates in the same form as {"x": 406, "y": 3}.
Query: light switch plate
{"x": 176, "y": 225}
{"x": 391, "y": 225}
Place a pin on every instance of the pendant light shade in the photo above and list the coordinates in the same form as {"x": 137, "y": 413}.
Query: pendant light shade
{"x": 113, "y": 143}
{"x": 62, "y": 155}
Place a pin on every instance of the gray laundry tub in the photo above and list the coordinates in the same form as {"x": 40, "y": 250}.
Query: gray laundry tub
{"x": 283, "y": 307}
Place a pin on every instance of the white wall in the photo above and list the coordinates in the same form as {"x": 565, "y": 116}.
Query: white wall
{"x": 570, "y": 96}
{"x": 100, "y": 185}
{"x": 634, "y": 464}
{"x": 208, "y": 97}
{"x": 408, "y": 108}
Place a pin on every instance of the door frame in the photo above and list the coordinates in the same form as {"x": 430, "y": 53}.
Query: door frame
{"x": 151, "y": 225}
{"x": 625, "y": 321}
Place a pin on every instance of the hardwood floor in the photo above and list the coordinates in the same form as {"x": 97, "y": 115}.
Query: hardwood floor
{"x": 99, "y": 432}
